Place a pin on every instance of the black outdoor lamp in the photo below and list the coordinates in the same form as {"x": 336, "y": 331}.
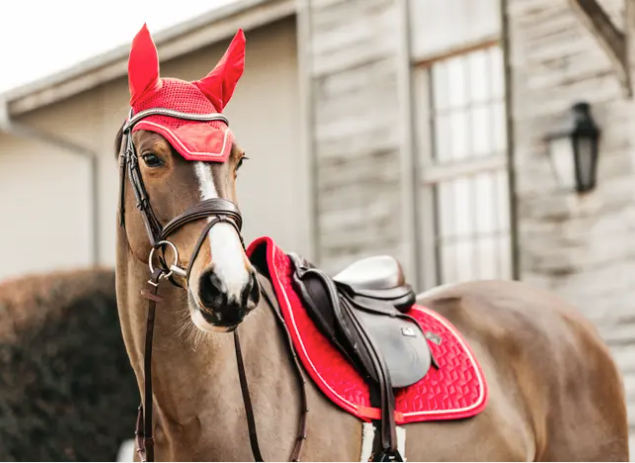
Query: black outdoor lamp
{"x": 574, "y": 150}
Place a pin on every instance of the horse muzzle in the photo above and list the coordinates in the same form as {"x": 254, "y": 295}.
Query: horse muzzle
{"x": 213, "y": 307}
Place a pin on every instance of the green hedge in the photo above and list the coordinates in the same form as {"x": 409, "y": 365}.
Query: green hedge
{"x": 67, "y": 391}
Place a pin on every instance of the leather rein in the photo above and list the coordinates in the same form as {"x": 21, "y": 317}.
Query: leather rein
{"x": 217, "y": 210}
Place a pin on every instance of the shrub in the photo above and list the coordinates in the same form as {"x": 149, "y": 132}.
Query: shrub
{"x": 67, "y": 390}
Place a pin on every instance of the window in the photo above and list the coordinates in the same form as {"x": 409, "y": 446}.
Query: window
{"x": 463, "y": 168}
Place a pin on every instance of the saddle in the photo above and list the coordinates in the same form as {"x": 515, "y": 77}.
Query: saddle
{"x": 361, "y": 311}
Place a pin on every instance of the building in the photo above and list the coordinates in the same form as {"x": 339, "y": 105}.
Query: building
{"x": 58, "y": 172}
{"x": 411, "y": 127}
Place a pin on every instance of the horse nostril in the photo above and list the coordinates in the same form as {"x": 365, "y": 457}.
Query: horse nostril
{"x": 212, "y": 289}
{"x": 251, "y": 292}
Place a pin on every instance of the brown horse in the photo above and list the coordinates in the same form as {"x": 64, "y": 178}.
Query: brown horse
{"x": 554, "y": 391}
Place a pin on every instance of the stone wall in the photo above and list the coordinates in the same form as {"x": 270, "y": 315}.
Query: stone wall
{"x": 355, "y": 137}
{"x": 581, "y": 247}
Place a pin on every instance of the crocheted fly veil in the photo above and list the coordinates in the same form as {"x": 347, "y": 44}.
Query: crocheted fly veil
{"x": 194, "y": 140}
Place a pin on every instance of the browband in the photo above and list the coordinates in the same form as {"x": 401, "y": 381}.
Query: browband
{"x": 133, "y": 119}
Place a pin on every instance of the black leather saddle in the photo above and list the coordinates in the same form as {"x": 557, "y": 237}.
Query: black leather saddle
{"x": 361, "y": 311}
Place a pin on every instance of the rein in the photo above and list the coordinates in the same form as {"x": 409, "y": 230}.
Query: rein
{"x": 219, "y": 210}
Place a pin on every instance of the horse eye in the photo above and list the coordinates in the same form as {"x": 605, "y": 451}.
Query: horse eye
{"x": 152, "y": 160}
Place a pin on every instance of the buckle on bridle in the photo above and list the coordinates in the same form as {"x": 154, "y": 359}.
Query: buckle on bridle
{"x": 173, "y": 269}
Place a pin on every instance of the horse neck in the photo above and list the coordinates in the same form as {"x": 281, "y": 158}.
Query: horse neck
{"x": 194, "y": 373}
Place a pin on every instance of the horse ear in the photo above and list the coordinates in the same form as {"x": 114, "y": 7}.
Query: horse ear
{"x": 218, "y": 86}
{"x": 143, "y": 65}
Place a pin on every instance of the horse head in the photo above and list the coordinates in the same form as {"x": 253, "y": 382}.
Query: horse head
{"x": 181, "y": 160}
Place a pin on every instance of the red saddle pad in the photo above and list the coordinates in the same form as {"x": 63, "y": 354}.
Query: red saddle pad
{"x": 456, "y": 390}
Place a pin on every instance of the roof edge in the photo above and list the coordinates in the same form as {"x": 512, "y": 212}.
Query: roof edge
{"x": 176, "y": 41}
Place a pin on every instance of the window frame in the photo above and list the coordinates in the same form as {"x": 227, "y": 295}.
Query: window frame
{"x": 430, "y": 173}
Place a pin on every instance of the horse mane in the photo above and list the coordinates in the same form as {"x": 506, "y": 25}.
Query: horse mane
{"x": 119, "y": 140}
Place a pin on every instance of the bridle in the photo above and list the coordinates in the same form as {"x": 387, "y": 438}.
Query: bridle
{"x": 219, "y": 210}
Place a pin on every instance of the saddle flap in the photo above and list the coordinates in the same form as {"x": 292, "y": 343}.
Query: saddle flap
{"x": 322, "y": 303}
{"x": 402, "y": 344}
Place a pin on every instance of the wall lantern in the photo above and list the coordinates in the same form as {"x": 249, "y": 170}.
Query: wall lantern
{"x": 574, "y": 150}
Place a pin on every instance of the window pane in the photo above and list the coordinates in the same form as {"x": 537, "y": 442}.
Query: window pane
{"x": 457, "y": 81}
{"x": 441, "y": 91}
{"x": 465, "y": 260}
{"x": 481, "y": 131}
{"x": 460, "y": 136}
{"x": 443, "y": 138}
{"x": 448, "y": 262}
{"x": 505, "y": 257}
{"x": 445, "y": 206}
{"x": 485, "y": 203}
{"x": 462, "y": 207}
{"x": 499, "y": 127}
{"x": 497, "y": 73}
{"x": 479, "y": 76}
{"x": 487, "y": 257}
{"x": 502, "y": 196}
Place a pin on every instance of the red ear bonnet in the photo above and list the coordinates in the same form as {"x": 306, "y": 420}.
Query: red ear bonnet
{"x": 194, "y": 140}
{"x": 220, "y": 83}
{"x": 143, "y": 66}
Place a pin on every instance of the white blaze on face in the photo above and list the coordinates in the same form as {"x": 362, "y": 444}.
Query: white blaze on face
{"x": 226, "y": 248}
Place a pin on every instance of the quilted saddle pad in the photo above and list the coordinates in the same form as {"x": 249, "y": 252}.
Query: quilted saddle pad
{"x": 456, "y": 390}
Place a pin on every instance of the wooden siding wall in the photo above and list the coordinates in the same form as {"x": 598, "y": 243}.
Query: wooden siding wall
{"x": 581, "y": 247}
{"x": 352, "y": 67}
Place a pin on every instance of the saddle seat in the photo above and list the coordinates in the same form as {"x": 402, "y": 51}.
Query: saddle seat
{"x": 376, "y": 272}
{"x": 378, "y": 277}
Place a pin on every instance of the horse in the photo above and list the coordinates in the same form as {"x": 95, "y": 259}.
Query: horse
{"x": 554, "y": 391}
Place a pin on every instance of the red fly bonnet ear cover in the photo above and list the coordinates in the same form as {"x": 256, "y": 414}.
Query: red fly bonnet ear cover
{"x": 195, "y": 141}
